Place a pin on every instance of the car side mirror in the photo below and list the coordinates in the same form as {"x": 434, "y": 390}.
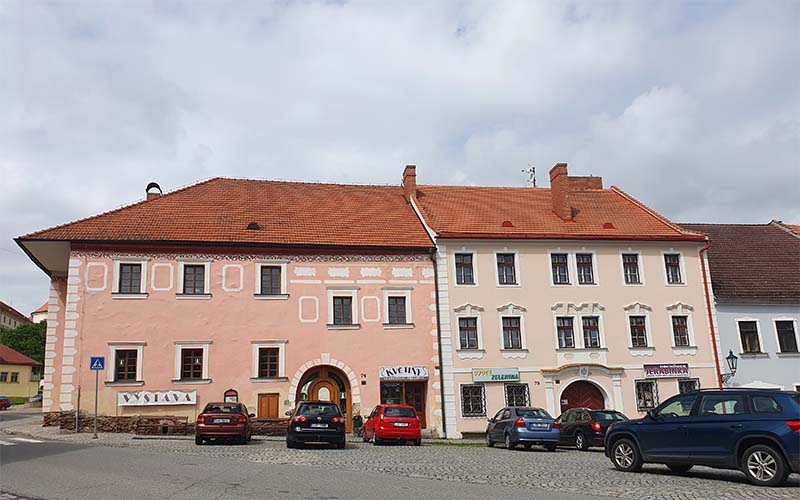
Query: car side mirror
{"x": 288, "y": 413}
{"x": 652, "y": 414}
{"x": 252, "y": 415}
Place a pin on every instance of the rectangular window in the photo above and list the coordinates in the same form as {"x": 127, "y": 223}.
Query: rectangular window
{"x": 517, "y": 395}
{"x": 191, "y": 364}
{"x": 638, "y": 331}
{"x": 585, "y": 270}
{"x": 722, "y": 404}
{"x": 630, "y": 266}
{"x": 268, "y": 362}
{"x": 512, "y": 334}
{"x": 505, "y": 269}
{"x": 342, "y": 310}
{"x": 14, "y": 377}
{"x": 748, "y": 333}
{"x": 566, "y": 333}
{"x": 194, "y": 279}
{"x": 3, "y": 376}
{"x": 672, "y": 261}
{"x": 787, "y": 341}
{"x": 591, "y": 332}
{"x": 687, "y": 385}
{"x": 646, "y": 395}
{"x": 397, "y": 310}
{"x": 473, "y": 400}
{"x": 36, "y": 374}
{"x": 125, "y": 364}
{"x": 464, "y": 272}
{"x": 468, "y": 333}
{"x": 558, "y": 262}
{"x": 680, "y": 331}
{"x": 130, "y": 278}
{"x": 271, "y": 280}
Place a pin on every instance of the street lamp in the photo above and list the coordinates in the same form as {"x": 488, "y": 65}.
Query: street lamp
{"x": 732, "y": 361}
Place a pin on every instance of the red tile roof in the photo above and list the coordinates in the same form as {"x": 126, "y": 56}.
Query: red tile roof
{"x": 793, "y": 227}
{"x": 9, "y": 356}
{"x": 527, "y": 213}
{"x": 42, "y": 309}
{"x": 289, "y": 213}
{"x": 13, "y": 312}
{"x": 753, "y": 263}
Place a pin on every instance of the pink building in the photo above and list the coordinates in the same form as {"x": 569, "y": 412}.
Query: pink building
{"x": 280, "y": 291}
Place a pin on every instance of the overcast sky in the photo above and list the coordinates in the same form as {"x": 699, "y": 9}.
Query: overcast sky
{"x": 692, "y": 107}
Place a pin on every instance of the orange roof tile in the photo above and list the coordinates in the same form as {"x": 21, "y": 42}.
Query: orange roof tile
{"x": 9, "y": 356}
{"x": 527, "y": 213}
{"x": 289, "y": 213}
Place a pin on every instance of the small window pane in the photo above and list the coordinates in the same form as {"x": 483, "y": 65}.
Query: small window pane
{"x": 585, "y": 270}
{"x": 464, "y": 272}
{"x": 591, "y": 332}
{"x": 130, "y": 278}
{"x": 559, "y": 266}
{"x": 766, "y": 404}
{"x": 638, "y": 331}
{"x": 566, "y": 333}
{"x": 505, "y": 269}
{"x": 271, "y": 280}
{"x": 397, "y": 310}
{"x": 723, "y": 404}
{"x": 342, "y": 310}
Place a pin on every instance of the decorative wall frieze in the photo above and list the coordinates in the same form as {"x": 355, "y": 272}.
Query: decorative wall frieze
{"x": 253, "y": 257}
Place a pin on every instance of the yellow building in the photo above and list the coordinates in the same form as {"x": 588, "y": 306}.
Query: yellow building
{"x": 19, "y": 374}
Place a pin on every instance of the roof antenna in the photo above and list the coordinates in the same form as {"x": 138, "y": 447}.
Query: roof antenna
{"x": 531, "y": 171}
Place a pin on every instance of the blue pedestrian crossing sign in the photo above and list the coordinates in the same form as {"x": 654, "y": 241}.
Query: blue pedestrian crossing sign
{"x": 97, "y": 363}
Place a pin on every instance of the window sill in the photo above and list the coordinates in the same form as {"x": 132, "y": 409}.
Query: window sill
{"x": 470, "y": 353}
{"x": 125, "y": 383}
{"x": 509, "y": 285}
{"x": 685, "y": 350}
{"x": 641, "y": 351}
{"x": 588, "y": 284}
{"x": 193, "y": 381}
{"x": 267, "y": 296}
{"x": 514, "y": 353}
{"x": 580, "y": 349}
{"x": 398, "y": 326}
{"x": 788, "y": 354}
{"x": 354, "y": 326}
{"x": 269, "y": 379}
{"x": 753, "y": 355}
{"x": 466, "y": 285}
{"x": 676, "y": 284}
{"x": 129, "y": 295}
{"x": 193, "y": 296}
{"x": 633, "y": 284}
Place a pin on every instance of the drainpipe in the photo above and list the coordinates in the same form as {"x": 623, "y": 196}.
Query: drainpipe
{"x": 439, "y": 340}
{"x": 708, "y": 308}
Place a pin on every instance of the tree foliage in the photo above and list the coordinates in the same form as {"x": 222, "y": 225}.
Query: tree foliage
{"x": 28, "y": 339}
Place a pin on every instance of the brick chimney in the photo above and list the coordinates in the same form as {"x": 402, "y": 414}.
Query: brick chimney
{"x": 410, "y": 182}
{"x": 560, "y": 190}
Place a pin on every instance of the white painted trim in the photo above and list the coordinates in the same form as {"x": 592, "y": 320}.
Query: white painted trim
{"x": 739, "y": 335}
{"x": 300, "y": 309}
{"x": 512, "y": 311}
{"x": 517, "y": 277}
{"x": 639, "y": 309}
{"x": 469, "y": 311}
{"x": 397, "y": 292}
{"x": 570, "y": 277}
{"x": 595, "y": 275}
{"x": 113, "y": 347}
{"x": 225, "y": 286}
{"x": 153, "y": 276}
{"x": 89, "y": 265}
{"x": 206, "y": 263}
{"x": 351, "y": 292}
{"x": 273, "y": 263}
{"x": 681, "y": 260}
{"x": 191, "y": 344}
{"x": 474, "y": 253}
{"x": 280, "y": 345}
{"x": 377, "y": 300}
{"x": 778, "y": 340}
{"x": 639, "y": 264}
{"x": 130, "y": 260}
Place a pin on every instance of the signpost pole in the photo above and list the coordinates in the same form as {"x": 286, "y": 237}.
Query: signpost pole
{"x": 96, "y": 384}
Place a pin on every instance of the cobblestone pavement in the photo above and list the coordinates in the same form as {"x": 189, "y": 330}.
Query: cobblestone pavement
{"x": 566, "y": 470}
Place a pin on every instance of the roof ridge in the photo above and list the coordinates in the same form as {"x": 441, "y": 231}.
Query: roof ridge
{"x": 306, "y": 183}
{"x": 654, "y": 213}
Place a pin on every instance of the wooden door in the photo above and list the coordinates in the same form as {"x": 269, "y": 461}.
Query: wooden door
{"x": 268, "y": 405}
{"x": 415, "y": 397}
{"x": 324, "y": 390}
{"x": 582, "y": 395}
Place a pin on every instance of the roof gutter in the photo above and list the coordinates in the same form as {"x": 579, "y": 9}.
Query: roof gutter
{"x": 561, "y": 236}
{"x": 703, "y": 253}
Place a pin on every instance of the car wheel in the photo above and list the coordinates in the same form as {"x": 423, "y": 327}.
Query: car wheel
{"x": 680, "y": 468}
{"x": 550, "y": 447}
{"x": 510, "y": 445}
{"x": 626, "y": 456}
{"x": 764, "y": 466}
{"x": 580, "y": 442}
{"x": 375, "y": 440}
{"x": 198, "y": 440}
{"x": 489, "y": 441}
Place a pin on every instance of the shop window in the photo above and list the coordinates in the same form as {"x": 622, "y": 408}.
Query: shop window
{"x": 405, "y": 393}
{"x": 517, "y": 395}
{"x": 688, "y": 385}
{"x": 473, "y": 400}
{"x": 566, "y": 332}
{"x": 468, "y": 333}
{"x": 646, "y": 395}
{"x": 464, "y": 271}
{"x": 125, "y": 361}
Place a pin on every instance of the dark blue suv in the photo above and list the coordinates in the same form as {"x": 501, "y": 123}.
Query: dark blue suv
{"x": 755, "y": 431}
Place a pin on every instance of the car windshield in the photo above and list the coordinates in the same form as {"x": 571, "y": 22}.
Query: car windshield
{"x": 222, "y": 408}
{"x": 609, "y": 416}
{"x": 532, "y": 412}
{"x": 318, "y": 410}
{"x": 399, "y": 412}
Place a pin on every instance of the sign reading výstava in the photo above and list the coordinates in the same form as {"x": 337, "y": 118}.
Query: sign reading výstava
{"x": 495, "y": 374}
{"x": 156, "y": 398}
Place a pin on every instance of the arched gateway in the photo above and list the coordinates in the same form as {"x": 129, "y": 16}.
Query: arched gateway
{"x": 327, "y": 383}
{"x": 582, "y": 394}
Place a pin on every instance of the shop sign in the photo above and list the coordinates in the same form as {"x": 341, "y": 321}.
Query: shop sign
{"x": 404, "y": 373}
{"x": 495, "y": 374}
{"x": 231, "y": 396}
{"x": 156, "y": 398}
{"x": 666, "y": 371}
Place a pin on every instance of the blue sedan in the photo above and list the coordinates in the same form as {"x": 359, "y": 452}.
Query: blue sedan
{"x": 527, "y": 426}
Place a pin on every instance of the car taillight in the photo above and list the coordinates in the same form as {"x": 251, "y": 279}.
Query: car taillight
{"x": 242, "y": 419}
{"x": 595, "y": 426}
{"x": 200, "y": 417}
{"x": 337, "y": 420}
{"x": 556, "y": 425}
{"x": 794, "y": 425}
{"x": 519, "y": 422}
{"x": 300, "y": 418}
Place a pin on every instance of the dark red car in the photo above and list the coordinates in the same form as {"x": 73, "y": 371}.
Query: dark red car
{"x": 392, "y": 423}
{"x": 223, "y": 421}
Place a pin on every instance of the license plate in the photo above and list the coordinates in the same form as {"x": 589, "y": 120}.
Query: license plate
{"x": 539, "y": 424}
{"x": 221, "y": 421}
{"x": 319, "y": 426}
{"x": 401, "y": 424}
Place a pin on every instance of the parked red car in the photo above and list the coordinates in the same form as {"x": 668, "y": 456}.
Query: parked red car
{"x": 392, "y": 423}
{"x": 223, "y": 421}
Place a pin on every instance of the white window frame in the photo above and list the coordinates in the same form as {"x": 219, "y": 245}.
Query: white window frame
{"x": 739, "y": 336}
{"x": 681, "y": 264}
{"x": 191, "y": 344}
{"x": 777, "y": 339}
{"x": 639, "y": 263}
{"x": 469, "y": 311}
{"x": 111, "y": 370}
{"x": 474, "y": 267}
{"x": 517, "y": 276}
{"x": 511, "y": 310}
{"x": 404, "y": 292}
{"x": 282, "y": 263}
{"x": 639, "y": 309}
{"x": 280, "y": 344}
{"x": 349, "y": 291}
{"x": 681, "y": 309}
{"x": 570, "y": 276}
{"x": 575, "y": 334}
{"x": 206, "y": 263}
{"x": 143, "y": 278}
{"x": 600, "y": 330}
{"x": 595, "y": 276}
